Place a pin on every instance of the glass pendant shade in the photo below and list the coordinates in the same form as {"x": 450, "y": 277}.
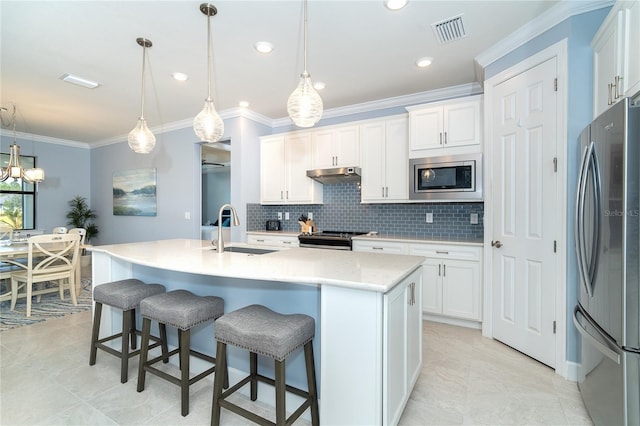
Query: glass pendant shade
{"x": 141, "y": 140}
{"x": 208, "y": 125}
{"x": 14, "y": 169}
{"x": 305, "y": 104}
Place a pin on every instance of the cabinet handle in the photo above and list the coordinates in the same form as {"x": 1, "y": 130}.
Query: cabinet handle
{"x": 445, "y": 138}
{"x": 442, "y": 252}
{"x": 609, "y": 101}
{"x": 444, "y": 270}
{"x": 286, "y": 242}
{"x": 377, "y": 248}
{"x": 282, "y": 195}
{"x": 617, "y": 85}
{"x": 382, "y": 191}
{"x": 287, "y": 194}
{"x": 386, "y": 193}
{"x": 440, "y": 270}
{"x": 440, "y": 138}
{"x": 260, "y": 241}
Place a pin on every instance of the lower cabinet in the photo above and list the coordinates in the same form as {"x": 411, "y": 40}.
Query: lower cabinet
{"x": 277, "y": 240}
{"x": 402, "y": 346}
{"x": 451, "y": 280}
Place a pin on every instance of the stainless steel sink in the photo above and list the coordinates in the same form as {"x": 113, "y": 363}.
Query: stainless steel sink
{"x": 248, "y": 250}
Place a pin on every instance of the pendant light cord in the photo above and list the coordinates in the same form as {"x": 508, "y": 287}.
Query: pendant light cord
{"x": 305, "y": 36}
{"x": 208, "y": 57}
{"x": 144, "y": 51}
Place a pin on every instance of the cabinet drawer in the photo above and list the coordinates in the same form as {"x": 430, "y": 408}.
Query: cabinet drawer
{"x": 381, "y": 247}
{"x": 438, "y": 251}
{"x": 273, "y": 240}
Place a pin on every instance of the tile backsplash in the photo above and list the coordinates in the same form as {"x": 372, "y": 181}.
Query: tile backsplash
{"x": 342, "y": 211}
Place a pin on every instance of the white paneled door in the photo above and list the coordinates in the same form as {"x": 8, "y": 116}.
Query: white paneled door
{"x": 525, "y": 218}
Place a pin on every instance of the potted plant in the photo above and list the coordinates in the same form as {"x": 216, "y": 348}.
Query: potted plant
{"x": 81, "y": 216}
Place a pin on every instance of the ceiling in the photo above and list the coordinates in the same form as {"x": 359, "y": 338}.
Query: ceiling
{"x": 361, "y": 50}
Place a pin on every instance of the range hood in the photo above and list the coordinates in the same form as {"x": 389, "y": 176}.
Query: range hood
{"x": 335, "y": 175}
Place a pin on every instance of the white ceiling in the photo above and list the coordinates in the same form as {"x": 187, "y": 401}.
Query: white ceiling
{"x": 361, "y": 50}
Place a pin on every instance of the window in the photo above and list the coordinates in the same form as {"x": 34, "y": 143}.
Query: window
{"x": 18, "y": 198}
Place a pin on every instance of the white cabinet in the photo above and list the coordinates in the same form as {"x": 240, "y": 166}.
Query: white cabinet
{"x": 274, "y": 240}
{"x": 450, "y": 126}
{"x": 284, "y": 161}
{"x": 402, "y": 346}
{"x": 616, "y": 56}
{"x": 452, "y": 280}
{"x": 384, "y": 160}
{"x": 336, "y": 147}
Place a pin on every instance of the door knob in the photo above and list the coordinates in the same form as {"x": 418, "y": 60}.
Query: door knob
{"x": 496, "y": 244}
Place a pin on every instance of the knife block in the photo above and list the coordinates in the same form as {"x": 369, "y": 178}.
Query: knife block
{"x": 308, "y": 227}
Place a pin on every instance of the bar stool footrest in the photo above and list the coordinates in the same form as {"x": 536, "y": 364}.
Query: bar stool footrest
{"x": 115, "y": 352}
{"x": 148, "y": 366}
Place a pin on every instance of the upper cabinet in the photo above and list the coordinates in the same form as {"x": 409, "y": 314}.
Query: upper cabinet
{"x": 451, "y": 127}
{"x": 284, "y": 161}
{"x": 336, "y": 147}
{"x": 616, "y": 56}
{"x": 384, "y": 160}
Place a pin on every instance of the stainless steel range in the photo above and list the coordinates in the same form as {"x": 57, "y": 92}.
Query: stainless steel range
{"x": 334, "y": 240}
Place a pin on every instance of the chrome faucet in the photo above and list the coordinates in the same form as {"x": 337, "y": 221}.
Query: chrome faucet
{"x": 220, "y": 241}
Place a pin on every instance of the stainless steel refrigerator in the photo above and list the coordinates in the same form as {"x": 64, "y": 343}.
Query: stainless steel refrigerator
{"x": 608, "y": 251}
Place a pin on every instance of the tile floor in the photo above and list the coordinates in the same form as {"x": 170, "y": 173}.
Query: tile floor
{"x": 45, "y": 379}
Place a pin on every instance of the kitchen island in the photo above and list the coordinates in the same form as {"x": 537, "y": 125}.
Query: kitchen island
{"x": 366, "y": 307}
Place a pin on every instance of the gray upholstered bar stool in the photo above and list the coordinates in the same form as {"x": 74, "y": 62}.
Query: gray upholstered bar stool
{"x": 125, "y": 295}
{"x": 262, "y": 331}
{"x": 183, "y": 310}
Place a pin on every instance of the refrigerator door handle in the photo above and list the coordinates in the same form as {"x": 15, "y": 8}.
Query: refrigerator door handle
{"x": 579, "y": 219}
{"x": 603, "y": 347}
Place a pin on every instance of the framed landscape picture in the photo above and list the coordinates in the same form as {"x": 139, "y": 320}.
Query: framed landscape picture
{"x": 134, "y": 193}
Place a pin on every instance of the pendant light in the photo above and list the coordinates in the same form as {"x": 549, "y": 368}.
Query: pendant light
{"x": 14, "y": 168}
{"x": 141, "y": 140}
{"x": 305, "y": 104}
{"x": 208, "y": 125}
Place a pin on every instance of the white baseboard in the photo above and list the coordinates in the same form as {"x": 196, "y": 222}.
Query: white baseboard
{"x": 453, "y": 321}
{"x": 572, "y": 370}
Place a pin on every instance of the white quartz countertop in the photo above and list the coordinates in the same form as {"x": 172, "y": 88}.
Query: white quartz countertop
{"x": 377, "y": 272}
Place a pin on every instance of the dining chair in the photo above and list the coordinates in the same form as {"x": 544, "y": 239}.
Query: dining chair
{"x": 80, "y": 231}
{"x": 51, "y": 258}
{"x": 59, "y": 230}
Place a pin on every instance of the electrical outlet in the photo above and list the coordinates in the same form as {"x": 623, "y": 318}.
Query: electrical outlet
{"x": 187, "y": 215}
{"x": 474, "y": 218}
{"x": 310, "y": 215}
{"x": 429, "y": 217}
{"x": 286, "y": 215}
{"x": 279, "y": 215}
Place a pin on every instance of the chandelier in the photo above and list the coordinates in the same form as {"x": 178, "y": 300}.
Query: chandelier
{"x": 208, "y": 125}
{"x": 305, "y": 104}
{"x": 14, "y": 169}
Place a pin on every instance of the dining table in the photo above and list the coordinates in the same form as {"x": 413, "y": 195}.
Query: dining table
{"x": 14, "y": 255}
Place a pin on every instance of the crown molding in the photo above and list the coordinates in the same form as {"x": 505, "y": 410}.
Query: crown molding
{"x": 45, "y": 139}
{"x": 547, "y": 20}
{"x": 466, "y": 89}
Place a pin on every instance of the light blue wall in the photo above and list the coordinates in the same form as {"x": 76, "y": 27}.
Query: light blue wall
{"x": 176, "y": 159}
{"x": 67, "y": 171}
{"x": 578, "y": 30}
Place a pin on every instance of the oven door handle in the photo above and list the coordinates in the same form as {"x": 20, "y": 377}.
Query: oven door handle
{"x": 321, "y": 246}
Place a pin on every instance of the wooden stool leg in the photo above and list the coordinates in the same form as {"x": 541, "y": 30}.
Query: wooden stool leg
{"x": 144, "y": 351}
{"x": 132, "y": 330}
{"x": 185, "y": 341}
{"x": 311, "y": 383}
{"x": 97, "y": 315}
{"x": 281, "y": 412}
{"x": 124, "y": 354}
{"x": 219, "y": 379}
{"x": 253, "y": 372}
{"x": 164, "y": 345}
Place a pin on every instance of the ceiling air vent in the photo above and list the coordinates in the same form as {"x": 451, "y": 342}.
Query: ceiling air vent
{"x": 449, "y": 30}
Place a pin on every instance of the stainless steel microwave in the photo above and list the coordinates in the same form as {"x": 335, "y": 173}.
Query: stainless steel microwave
{"x": 446, "y": 178}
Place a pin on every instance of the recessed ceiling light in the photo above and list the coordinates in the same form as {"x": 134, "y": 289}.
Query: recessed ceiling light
{"x": 395, "y": 4}
{"x": 243, "y": 104}
{"x": 424, "y": 62}
{"x": 319, "y": 85}
{"x": 263, "y": 47}
{"x": 180, "y": 76}
{"x": 79, "y": 81}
